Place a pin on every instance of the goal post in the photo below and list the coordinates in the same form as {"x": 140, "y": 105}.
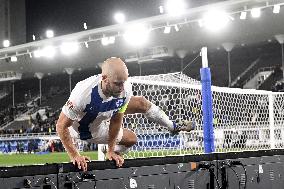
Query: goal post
{"x": 243, "y": 119}
{"x": 208, "y": 130}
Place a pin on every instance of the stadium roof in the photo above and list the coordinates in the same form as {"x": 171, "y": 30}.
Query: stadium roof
{"x": 190, "y": 37}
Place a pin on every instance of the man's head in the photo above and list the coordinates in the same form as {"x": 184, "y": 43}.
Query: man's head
{"x": 114, "y": 75}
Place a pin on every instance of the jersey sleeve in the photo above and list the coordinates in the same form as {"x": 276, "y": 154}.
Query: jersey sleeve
{"x": 128, "y": 94}
{"x": 74, "y": 105}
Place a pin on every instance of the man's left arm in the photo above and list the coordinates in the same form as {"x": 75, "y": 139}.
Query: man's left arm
{"x": 114, "y": 128}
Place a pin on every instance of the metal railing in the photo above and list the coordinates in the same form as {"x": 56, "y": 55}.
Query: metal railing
{"x": 27, "y": 135}
{"x": 263, "y": 69}
{"x": 245, "y": 72}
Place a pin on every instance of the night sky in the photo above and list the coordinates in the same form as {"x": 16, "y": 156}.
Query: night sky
{"x": 68, "y": 16}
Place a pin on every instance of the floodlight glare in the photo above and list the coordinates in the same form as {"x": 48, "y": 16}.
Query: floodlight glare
{"x": 49, "y": 33}
{"x": 69, "y": 48}
{"x": 175, "y": 7}
{"x": 6, "y": 43}
{"x": 200, "y": 23}
{"x": 215, "y": 20}
{"x": 119, "y": 17}
{"x": 136, "y": 34}
{"x": 255, "y": 12}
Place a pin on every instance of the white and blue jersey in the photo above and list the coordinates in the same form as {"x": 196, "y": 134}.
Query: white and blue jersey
{"x": 90, "y": 108}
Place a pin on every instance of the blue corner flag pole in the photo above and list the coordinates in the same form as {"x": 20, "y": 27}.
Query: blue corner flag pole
{"x": 208, "y": 130}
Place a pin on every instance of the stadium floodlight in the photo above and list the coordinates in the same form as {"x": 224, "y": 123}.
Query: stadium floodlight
{"x": 175, "y": 7}
{"x": 243, "y": 15}
{"x": 255, "y": 12}
{"x": 49, "y": 33}
{"x": 37, "y": 53}
{"x": 48, "y": 52}
{"x": 107, "y": 40}
{"x": 276, "y": 9}
{"x": 176, "y": 28}
{"x": 86, "y": 44}
{"x": 68, "y": 48}
{"x": 104, "y": 41}
{"x": 161, "y": 9}
{"x": 85, "y": 25}
{"x": 111, "y": 40}
{"x": 119, "y": 17}
{"x": 136, "y": 34}
{"x": 215, "y": 20}
{"x": 14, "y": 59}
{"x": 6, "y": 43}
{"x": 167, "y": 29}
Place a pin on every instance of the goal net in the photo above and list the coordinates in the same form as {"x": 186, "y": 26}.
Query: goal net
{"x": 242, "y": 119}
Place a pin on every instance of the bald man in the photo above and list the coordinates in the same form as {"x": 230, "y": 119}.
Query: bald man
{"x": 95, "y": 110}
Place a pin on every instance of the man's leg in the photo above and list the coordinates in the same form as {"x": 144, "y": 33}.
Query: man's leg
{"x": 128, "y": 139}
{"x": 125, "y": 142}
{"x": 139, "y": 104}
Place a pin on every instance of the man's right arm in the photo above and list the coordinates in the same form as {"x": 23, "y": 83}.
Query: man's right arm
{"x": 63, "y": 132}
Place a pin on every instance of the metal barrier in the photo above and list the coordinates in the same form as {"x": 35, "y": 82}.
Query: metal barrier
{"x": 253, "y": 170}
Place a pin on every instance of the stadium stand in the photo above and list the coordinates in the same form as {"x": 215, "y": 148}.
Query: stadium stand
{"x": 24, "y": 119}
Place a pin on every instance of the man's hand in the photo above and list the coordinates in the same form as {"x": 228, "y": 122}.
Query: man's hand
{"x": 63, "y": 132}
{"x": 81, "y": 161}
{"x": 111, "y": 155}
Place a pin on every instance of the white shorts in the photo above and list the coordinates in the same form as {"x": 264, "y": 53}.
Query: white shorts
{"x": 99, "y": 135}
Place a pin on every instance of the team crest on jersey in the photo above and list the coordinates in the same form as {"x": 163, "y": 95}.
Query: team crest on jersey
{"x": 119, "y": 102}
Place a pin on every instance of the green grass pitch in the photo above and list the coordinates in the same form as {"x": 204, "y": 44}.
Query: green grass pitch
{"x": 33, "y": 159}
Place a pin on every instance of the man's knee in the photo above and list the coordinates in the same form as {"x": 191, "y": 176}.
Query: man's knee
{"x": 142, "y": 104}
{"x": 133, "y": 139}
{"x": 129, "y": 138}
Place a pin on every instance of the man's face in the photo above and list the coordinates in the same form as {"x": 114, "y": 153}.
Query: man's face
{"x": 115, "y": 86}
